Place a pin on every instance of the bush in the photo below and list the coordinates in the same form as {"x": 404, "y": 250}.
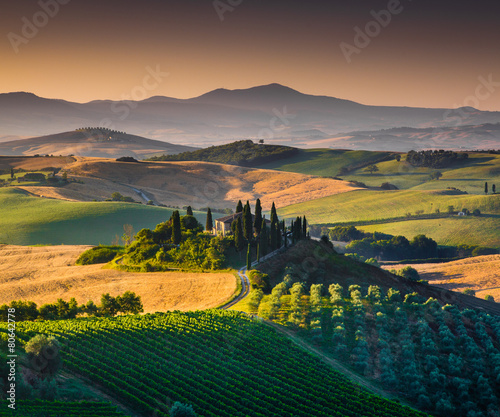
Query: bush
{"x": 476, "y": 212}
{"x": 481, "y": 250}
{"x": 407, "y": 272}
{"x": 44, "y": 355}
{"x": 97, "y": 255}
{"x": 127, "y": 159}
{"x": 182, "y": 410}
{"x": 258, "y": 280}
{"x": 489, "y": 298}
{"x": 469, "y": 291}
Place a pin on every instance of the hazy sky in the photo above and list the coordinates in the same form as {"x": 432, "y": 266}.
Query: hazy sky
{"x": 430, "y": 54}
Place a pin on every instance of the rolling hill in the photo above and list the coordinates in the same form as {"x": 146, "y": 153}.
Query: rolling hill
{"x": 91, "y": 142}
{"x": 273, "y": 112}
{"x": 480, "y": 273}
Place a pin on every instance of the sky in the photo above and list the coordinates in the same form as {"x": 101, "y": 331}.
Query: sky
{"x": 416, "y": 53}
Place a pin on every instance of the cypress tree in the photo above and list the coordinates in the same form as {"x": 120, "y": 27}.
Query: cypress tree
{"x": 176, "y": 227}
{"x": 258, "y": 252}
{"x": 249, "y": 258}
{"x": 247, "y": 222}
{"x": 486, "y": 188}
{"x": 274, "y": 215}
{"x": 12, "y": 172}
{"x": 238, "y": 235}
{"x": 239, "y": 207}
{"x": 278, "y": 235}
{"x": 209, "y": 223}
{"x": 189, "y": 211}
{"x": 304, "y": 228}
{"x": 494, "y": 189}
{"x": 298, "y": 225}
{"x": 273, "y": 236}
{"x": 264, "y": 238}
{"x": 258, "y": 217}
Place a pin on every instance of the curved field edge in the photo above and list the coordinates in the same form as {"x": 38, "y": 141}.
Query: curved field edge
{"x": 452, "y": 231}
{"x": 378, "y": 205}
{"x": 224, "y": 363}
{"x": 28, "y": 220}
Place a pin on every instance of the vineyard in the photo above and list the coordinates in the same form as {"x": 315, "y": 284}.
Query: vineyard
{"x": 37, "y": 408}
{"x": 224, "y": 363}
{"x": 442, "y": 360}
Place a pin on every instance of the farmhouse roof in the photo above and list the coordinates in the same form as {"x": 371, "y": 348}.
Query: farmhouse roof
{"x": 229, "y": 219}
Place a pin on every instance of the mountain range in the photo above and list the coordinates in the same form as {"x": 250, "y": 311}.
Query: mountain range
{"x": 275, "y": 113}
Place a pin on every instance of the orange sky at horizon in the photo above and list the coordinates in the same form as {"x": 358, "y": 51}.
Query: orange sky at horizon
{"x": 90, "y": 50}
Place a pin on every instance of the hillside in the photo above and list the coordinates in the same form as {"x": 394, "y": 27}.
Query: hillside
{"x": 312, "y": 262}
{"x": 467, "y": 175}
{"x": 28, "y": 220}
{"x": 44, "y": 274}
{"x": 217, "y": 361}
{"x": 242, "y": 153}
{"x": 480, "y": 273}
{"x": 199, "y": 184}
{"x": 436, "y": 349}
{"x": 91, "y": 142}
{"x": 273, "y": 112}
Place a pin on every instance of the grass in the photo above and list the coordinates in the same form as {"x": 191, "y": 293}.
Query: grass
{"x": 452, "y": 231}
{"x": 377, "y": 205}
{"x": 324, "y": 162}
{"x": 28, "y": 220}
{"x": 468, "y": 176}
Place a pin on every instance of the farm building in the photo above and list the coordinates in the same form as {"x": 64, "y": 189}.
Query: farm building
{"x": 223, "y": 224}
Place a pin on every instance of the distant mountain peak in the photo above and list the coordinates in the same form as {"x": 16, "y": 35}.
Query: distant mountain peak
{"x": 273, "y": 89}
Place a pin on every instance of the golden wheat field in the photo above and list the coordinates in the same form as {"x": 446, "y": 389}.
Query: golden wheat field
{"x": 481, "y": 273}
{"x": 199, "y": 184}
{"x": 44, "y": 274}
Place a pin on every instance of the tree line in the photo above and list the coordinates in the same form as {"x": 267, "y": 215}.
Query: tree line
{"x": 127, "y": 303}
{"x": 434, "y": 159}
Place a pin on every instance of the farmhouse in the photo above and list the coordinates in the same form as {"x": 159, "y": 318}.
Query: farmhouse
{"x": 223, "y": 224}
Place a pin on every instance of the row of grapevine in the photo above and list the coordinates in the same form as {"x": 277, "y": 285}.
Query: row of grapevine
{"x": 37, "y": 408}
{"x": 224, "y": 363}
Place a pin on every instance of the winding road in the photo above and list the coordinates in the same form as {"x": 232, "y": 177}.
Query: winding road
{"x": 245, "y": 288}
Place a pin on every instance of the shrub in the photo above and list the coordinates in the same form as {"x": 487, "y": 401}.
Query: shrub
{"x": 469, "y": 291}
{"x": 481, "y": 250}
{"x": 407, "y": 272}
{"x": 258, "y": 280}
{"x": 476, "y": 212}
{"x": 182, "y": 410}
{"x": 489, "y": 298}
{"x": 43, "y": 355}
{"x": 127, "y": 159}
{"x": 97, "y": 255}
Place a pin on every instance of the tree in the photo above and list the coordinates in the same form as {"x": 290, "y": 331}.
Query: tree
{"x": 398, "y": 157}
{"x": 451, "y": 209}
{"x": 238, "y": 235}
{"x": 494, "y": 189}
{"x": 109, "y": 305}
{"x": 258, "y": 217}
{"x": 489, "y": 297}
{"x": 469, "y": 291}
{"x": 278, "y": 235}
{"x": 436, "y": 175}
{"x": 128, "y": 302}
{"x": 176, "y": 227}
{"x": 209, "y": 223}
{"x": 247, "y": 222}
{"x": 128, "y": 234}
{"x": 65, "y": 176}
{"x": 239, "y": 207}
{"x": 44, "y": 355}
{"x": 486, "y": 188}
{"x": 264, "y": 238}
{"x": 189, "y": 211}
{"x": 274, "y": 215}
{"x": 258, "y": 252}
{"x": 182, "y": 410}
{"x": 304, "y": 228}
{"x": 273, "y": 233}
{"x": 249, "y": 258}
{"x": 12, "y": 173}
{"x": 371, "y": 168}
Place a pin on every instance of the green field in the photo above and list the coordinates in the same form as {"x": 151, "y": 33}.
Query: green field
{"x": 324, "y": 162}
{"x": 479, "y": 231}
{"x": 226, "y": 364}
{"x": 377, "y": 205}
{"x": 28, "y": 220}
{"x": 469, "y": 175}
